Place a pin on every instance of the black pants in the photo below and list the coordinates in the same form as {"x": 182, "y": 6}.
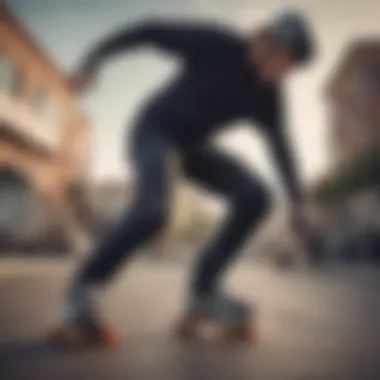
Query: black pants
{"x": 212, "y": 169}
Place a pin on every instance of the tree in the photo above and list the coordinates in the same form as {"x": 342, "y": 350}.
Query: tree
{"x": 357, "y": 174}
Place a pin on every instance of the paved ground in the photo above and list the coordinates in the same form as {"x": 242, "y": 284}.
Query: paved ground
{"x": 314, "y": 326}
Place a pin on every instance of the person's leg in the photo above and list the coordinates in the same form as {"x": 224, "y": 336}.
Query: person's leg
{"x": 144, "y": 218}
{"x": 248, "y": 202}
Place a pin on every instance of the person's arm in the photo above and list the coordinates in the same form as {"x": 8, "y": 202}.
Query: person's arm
{"x": 273, "y": 122}
{"x": 186, "y": 40}
{"x": 285, "y": 161}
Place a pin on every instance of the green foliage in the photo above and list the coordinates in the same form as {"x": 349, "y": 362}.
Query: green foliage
{"x": 198, "y": 228}
{"x": 355, "y": 175}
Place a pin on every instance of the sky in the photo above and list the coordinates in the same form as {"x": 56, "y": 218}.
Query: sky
{"x": 66, "y": 28}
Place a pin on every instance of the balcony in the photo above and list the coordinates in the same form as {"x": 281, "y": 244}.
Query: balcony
{"x": 20, "y": 117}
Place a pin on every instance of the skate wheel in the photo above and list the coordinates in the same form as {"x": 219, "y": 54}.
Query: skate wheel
{"x": 245, "y": 334}
{"x": 109, "y": 339}
{"x": 71, "y": 338}
{"x": 249, "y": 334}
{"x": 77, "y": 338}
{"x": 186, "y": 329}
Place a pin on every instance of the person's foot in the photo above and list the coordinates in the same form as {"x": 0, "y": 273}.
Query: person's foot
{"x": 229, "y": 319}
{"x": 81, "y": 324}
{"x": 81, "y": 306}
{"x": 220, "y": 307}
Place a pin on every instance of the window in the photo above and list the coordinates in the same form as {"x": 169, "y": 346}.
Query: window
{"x": 375, "y": 81}
{"x": 10, "y": 77}
{"x": 38, "y": 99}
{"x": 47, "y": 110}
{"x": 14, "y": 200}
{"x": 45, "y": 106}
{"x": 51, "y": 111}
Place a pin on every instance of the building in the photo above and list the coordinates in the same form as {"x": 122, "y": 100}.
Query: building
{"x": 43, "y": 141}
{"x": 353, "y": 98}
{"x": 354, "y": 101}
{"x": 110, "y": 199}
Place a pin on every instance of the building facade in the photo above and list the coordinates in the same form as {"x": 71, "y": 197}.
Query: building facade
{"x": 43, "y": 141}
{"x": 353, "y": 98}
{"x": 354, "y": 101}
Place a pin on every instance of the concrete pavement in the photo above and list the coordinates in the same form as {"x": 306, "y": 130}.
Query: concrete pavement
{"x": 315, "y": 326}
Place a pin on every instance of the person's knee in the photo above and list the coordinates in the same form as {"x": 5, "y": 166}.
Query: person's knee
{"x": 254, "y": 201}
{"x": 154, "y": 217}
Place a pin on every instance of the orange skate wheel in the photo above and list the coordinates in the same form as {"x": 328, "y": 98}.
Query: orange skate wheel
{"x": 187, "y": 328}
{"x": 79, "y": 338}
{"x": 232, "y": 334}
{"x": 72, "y": 338}
{"x": 249, "y": 334}
{"x": 253, "y": 334}
{"x": 226, "y": 335}
{"x": 109, "y": 339}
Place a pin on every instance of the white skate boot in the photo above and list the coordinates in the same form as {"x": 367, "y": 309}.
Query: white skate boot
{"x": 81, "y": 326}
{"x": 228, "y": 319}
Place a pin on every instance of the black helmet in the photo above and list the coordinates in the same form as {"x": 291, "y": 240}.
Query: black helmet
{"x": 292, "y": 30}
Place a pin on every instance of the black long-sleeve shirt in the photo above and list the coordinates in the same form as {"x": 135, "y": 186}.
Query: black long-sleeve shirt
{"x": 216, "y": 87}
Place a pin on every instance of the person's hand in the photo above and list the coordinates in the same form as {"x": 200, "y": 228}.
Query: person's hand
{"x": 300, "y": 223}
{"x": 82, "y": 80}
{"x": 308, "y": 236}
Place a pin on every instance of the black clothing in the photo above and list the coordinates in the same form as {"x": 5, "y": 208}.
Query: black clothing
{"x": 215, "y": 88}
{"x": 248, "y": 200}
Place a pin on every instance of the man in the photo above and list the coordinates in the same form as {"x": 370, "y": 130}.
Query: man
{"x": 224, "y": 77}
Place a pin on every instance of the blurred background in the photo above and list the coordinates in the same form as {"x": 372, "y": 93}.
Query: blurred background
{"x": 64, "y": 179}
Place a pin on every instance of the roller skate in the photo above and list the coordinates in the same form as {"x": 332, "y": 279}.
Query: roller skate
{"x": 219, "y": 318}
{"x": 80, "y": 328}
